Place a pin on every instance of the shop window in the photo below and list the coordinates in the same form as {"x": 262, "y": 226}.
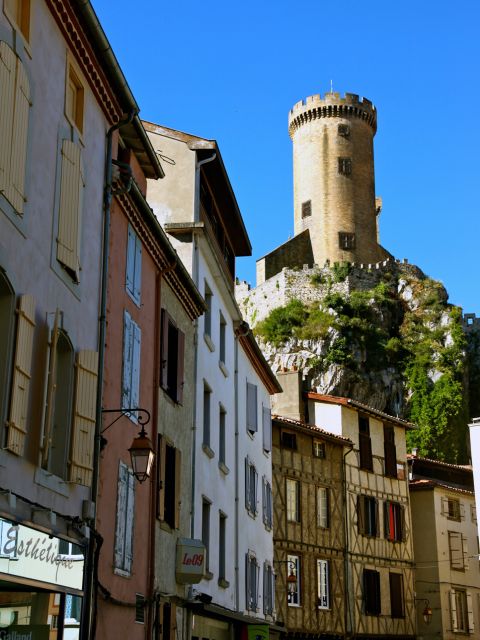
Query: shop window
{"x": 168, "y": 483}
{"x": 306, "y": 209}
{"x": 323, "y": 584}
{"x": 172, "y": 358}
{"x": 394, "y": 521}
{"x": 132, "y": 337}
{"x": 397, "y": 603}
{"x": 288, "y": 440}
{"x": 390, "y": 451}
{"x": 268, "y": 589}
{"x": 345, "y": 166}
{"x": 267, "y": 504}
{"x": 293, "y": 585}
{"x": 251, "y": 481}
{"x": 371, "y": 592}
{"x": 367, "y": 514}
{"x": 15, "y": 106}
{"x": 18, "y": 12}
{"x": 457, "y": 545}
{"x": 461, "y": 609}
{"x": 293, "y": 500}
{"x": 123, "y": 551}
{"x": 319, "y": 449}
{"x": 251, "y": 582}
{"x": 323, "y": 507}
{"x": 133, "y": 276}
{"x": 366, "y": 460}
{"x": 252, "y": 412}
{"x": 267, "y": 429}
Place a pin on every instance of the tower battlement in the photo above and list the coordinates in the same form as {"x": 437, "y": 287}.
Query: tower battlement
{"x": 332, "y": 105}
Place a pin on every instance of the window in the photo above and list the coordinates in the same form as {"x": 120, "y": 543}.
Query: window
{"x": 268, "y": 589}
{"x": 123, "y": 555}
{"x": 323, "y": 507}
{"x": 7, "y": 332}
{"x": 222, "y": 420}
{"x": 15, "y": 108}
{"x": 252, "y": 424}
{"x": 390, "y": 451}
{"x": 206, "y": 530}
{"x": 70, "y": 207}
{"x": 457, "y": 544}
{"x": 306, "y": 209}
{"x": 267, "y": 504}
{"x": 397, "y": 608}
{"x": 167, "y": 616}
{"x": 345, "y": 166}
{"x": 293, "y": 500}
{"x": 168, "y": 483}
{"x": 394, "y": 521}
{"x": 367, "y": 514}
{"x": 346, "y": 240}
{"x": 140, "y": 608}
{"x": 251, "y": 479}
{"x": 371, "y": 592}
{"x": 207, "y": 397}
{"x": 134, "y": 266}
{"x": 366, "y": 461}
{"x": 267, "y": 429}
{"x": 251, "y": 582}
{"x": 318, "y": 449}
{"x": 323, "y": 584}
{"x": 288, "y": 440}
{"x": 473, "y": 513}
{"x": 131, "y": 364}
{"x": 344, "y": 130}
{"x": 172, "y": 358}
{"x": 293, "y": 587}
{"x": 18, "y": 11}
{"x": 223, "y": 339}
{"x": 222, "y": 528}
{"x": 207, "y": 316}
{"x": 461, "y": 609}
{"x": 74, "y": 97}
{"x": 452, "y": 509}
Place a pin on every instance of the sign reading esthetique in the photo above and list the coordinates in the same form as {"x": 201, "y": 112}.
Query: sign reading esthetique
{"x": 27, "y": 553}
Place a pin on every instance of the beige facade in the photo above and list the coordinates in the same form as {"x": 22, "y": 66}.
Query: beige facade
{"x": 447, "y": 574}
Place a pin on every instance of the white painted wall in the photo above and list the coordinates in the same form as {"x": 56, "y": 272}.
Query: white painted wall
{"x": 475, "y": 452}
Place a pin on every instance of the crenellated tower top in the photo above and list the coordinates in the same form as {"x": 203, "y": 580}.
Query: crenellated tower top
{"x": 332, "y": 105}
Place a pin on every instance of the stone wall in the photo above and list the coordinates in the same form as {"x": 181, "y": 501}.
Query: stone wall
{"x": 293, "y": 253}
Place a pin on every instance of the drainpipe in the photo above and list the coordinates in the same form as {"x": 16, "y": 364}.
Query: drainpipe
{"x": 348, "y": 622}
{"x": 89, "y": 598}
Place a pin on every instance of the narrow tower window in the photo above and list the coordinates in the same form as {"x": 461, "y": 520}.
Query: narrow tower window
{"x": 306, "y": 209}
{"x": 346, "y": 240}
{"x": 345, "y": 166}
{"x": 344, "y": 130}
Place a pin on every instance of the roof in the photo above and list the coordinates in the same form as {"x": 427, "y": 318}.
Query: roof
{"x": 311, "y": 428}
{"x": 359, "y": 406}
{"x": 216, "y": 174}
{"x": 256, "y": 357}
{"x": 440, "y": 463}
{"x": 422, "y": 484}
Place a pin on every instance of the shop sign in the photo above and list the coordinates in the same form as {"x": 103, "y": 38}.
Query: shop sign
{"x": 26, "y": 632}
{"x": 32, "y": 554}
{"x": 190, "y": 561}
{"x": 257, "y": 631}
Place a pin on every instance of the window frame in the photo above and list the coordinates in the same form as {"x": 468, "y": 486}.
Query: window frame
{"x": 365, "y": 444}
{"x": 168, "y": 484}
{"x": 207, "y": 415}
{"x": 23, "y": 25}
{"x": 252, "y": 408}
{"x": 206, "y": 515}
{"x": 292, "y": 500}
{"x": 394, "y": 521}
{"x": 319, "y": 449}
{"x": 344, "y": 166}
{"x": 252, "y": 571}
{"x": 294, "y": 598}
{"x": 367, "y": 516}
{"x": 73, "y": 75}
{"x": 346, "y": 240}
{"x": 372, "y": 599}
{"x": 397, "y": 595}
{"x": 323, "y": 583}
{"x": 267, "y": 504}
{"x": 323, "y": 507}
{"x": 390, "y": 451}
{"x": 251, "y": 490}
{"x": 268, "y": 589}
{"x": 172, "y": 358}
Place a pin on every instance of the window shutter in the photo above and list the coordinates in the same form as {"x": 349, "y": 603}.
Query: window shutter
{"x": 386, "y": 519}
{"x": 251, "y": 407}
{"x": 83, "y": 436}
{"x": 137, "y": 282}
{"x": 471, "y": 625}
{"x": 377, "y": 519}
{"x": 257, "y": 582}
{"x": 17, "y": 423}
{"x": 69, "y": 213}
{"x": 161, "y": 453}
{"x": 453, "y": 611}
{"x": 462, "y": 511}
{"x": 178, "y": 492}
{"x": 127, "y": 360}
{"x": 267, "y": 429}
{"x": 120, "y": 528}
{"x": 264, "y": 499}
{"x": 248, "y": 596}
{"x": 180, "y": 366}
{"x": 361, "y": 514}
{"x": 130, "y": 513}
{"x": 465, "y": 551}
{"x": 130, "y": 274}
{"x": 15, "y": 192}
{"x": 135, "y": 388}
{"x": 164, "y": 351}
{"x": 403, "y": 533}
{"x": 247, "y": 483}
{"x": 255, "y": 494}
{"x": 7, "y": 102}
{"x": 445, "y": 506}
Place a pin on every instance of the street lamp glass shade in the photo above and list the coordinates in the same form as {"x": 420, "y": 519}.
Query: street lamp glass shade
{"x": 141, "y": 453}
{"x": 427, "y": 615}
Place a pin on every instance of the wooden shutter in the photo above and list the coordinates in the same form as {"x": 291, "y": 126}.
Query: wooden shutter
{"x": 464, "y": 551}
{"x": 172, "y": 630}
{"x": 161, "y": 459}
{"x": 7, "y": 107}
{"x": 83, "y": 436}
{"x": 251, "y": 407}
{"x": 164, "y": 351}
{"x": 180, "y": 365}
{"x": 453, "y": 611}
{"x": 127, "y": 360}
{"x": 17, "y": 423}
{"x": 69, "y": 212}
{"x": 135, "y": 385}
{"x": 178, "y": 487}
{"x": 267, "y": 429}
{"x": 456, "y": 550}
{"x": 15, "y": 192}
{"x": 471, "y": 625}
{"x": 361, "y": 513}
{"x": 445, "y": 506}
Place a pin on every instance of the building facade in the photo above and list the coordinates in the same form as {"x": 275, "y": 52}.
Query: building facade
{"x": 445, "y": 538}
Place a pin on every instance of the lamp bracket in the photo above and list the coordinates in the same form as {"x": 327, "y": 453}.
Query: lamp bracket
{"x": 143, "y": 416}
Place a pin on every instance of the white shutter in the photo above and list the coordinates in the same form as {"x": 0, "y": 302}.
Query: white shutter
{"x": 252, "y": 407}
{"x": 255, "y": 491}
{"x": 127, "y": 360}
{"x": 267, "y": 429}
{"x": 129, "y": 513}
{"x": 465, "y": 551}
{"x": 453, "y": 611}
{"x": 120, "y": 528}
{"x": 471, "y": 625}
{"x": 7, "y": 102}
{"x": 264, "y": 500}
{"x": 247, "y": 484}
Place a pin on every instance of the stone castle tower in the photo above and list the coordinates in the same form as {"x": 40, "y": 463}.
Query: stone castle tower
{"x": 335, "y": 208}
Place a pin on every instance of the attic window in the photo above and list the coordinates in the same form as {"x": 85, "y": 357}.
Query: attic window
{"x": 346, "y": 240}
{"x": 344, "y": 130}
{"x": 288, "y": 440}
{"x": 306, "y": 209}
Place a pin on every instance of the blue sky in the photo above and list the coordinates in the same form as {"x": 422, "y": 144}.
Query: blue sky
{"x": 231, "y": 71}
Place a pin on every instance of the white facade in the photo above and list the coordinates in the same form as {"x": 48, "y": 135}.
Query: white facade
{"x": 475, "y": 453}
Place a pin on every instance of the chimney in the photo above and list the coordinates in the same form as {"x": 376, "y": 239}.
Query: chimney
{"x": 289, "y": 403}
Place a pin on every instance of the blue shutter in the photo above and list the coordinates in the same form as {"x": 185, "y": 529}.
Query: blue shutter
{"x": 129, "y": 518}
{"x": 137, "y": 282}
{"x": 127, "y": 360}
{"x": 135, "y": 386}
